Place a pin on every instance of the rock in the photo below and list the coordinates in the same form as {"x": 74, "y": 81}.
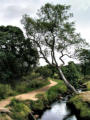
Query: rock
{"x": 4, "y": 110}
{"x": 36, "y": 116}
{"x": 48, "y": 107}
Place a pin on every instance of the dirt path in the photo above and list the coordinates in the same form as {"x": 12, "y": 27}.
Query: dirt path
{"x": 27, "y": 96}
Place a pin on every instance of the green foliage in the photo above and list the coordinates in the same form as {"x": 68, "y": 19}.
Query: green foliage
{"x": 56, "y": 31}
{"x": 88, "y": 85}
{"x": 43, "y": 97}
{"x": 30, "y": 76}
{"x": 17, "y": 54}
{"x": 80, "y": 105}
{"x": 37, "y": 105}
{"x": 20, "y": 111}
{"x": 5, "y": 91}
{"x": 72, "y": 74}
{"x": 30, "y": 82}
{"x": 44, "y": 71}
{"x": 53, "y": 34}
{"x": 27, "y": 83}
{"x": 4, "y": 117}
{"x": 55, "y": 90}
{"x": 49, "y": 96}
{"x": 84, "y": 57}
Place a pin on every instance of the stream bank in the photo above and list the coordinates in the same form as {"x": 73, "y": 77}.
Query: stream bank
{"x": 58, "y": 111}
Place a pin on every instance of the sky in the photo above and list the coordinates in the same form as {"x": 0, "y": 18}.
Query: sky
{"x": 11, "y": 12}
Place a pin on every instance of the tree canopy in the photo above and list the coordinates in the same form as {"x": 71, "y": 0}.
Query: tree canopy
{"x": 17, "y": 54}
{"x": 52, "y": 32}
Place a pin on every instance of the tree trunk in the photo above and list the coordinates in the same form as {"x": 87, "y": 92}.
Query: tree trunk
{"x": 66, "y": 82}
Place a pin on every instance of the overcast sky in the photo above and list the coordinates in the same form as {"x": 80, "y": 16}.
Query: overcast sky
{"x": 11, "y": 12}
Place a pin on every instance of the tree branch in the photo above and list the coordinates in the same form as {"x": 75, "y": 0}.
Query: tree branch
{"x": 38, "y": 44}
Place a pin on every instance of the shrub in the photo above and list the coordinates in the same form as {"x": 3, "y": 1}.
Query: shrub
{"x": 30, "y": 82}
{"x": 72, "y": 74}
{"x": 21, "y": 87}
{"x": 5, "y": 91}
{"x": 30, "y": 76}
{"x": 44, "y": 71}
{"x": 19, "y": 110}
{"x": 37, "y": 105}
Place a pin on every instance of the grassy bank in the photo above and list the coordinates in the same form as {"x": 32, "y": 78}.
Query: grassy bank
{"x": 21, "y": 109}
{"x": 27, "y": 83}
{"x": 81, "y": 105}
{"x": 87, "y": 84}
{"x": 51, "y": 95}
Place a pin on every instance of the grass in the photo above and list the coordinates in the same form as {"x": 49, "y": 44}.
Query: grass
{"x": 4, "y": 117}
{"x": 80, "y": 105}
{"x": 28, "y": 83}
{"x": 19, "y": 109}
{"x": 48, "y": 97}
{"x": 87, "y": 84}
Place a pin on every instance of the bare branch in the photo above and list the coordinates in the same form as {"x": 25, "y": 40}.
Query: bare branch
{"x": 67, "y": 55}
{"x": 41, "y": 51}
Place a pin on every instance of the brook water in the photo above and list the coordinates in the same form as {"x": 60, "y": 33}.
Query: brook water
{"x": 59, "y": 111}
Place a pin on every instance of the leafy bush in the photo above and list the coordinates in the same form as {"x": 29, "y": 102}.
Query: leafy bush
{"x": 19, "y": 110}
{"x": 21, "y": 87}
{"x": 44, "y": 71}
{"x": 5, "y": 91}
{"x": 87, "y": 85}
{"x": 30, "y": 76}
{"x": 37, "y": 105}
{"x": 55, "y": 90}
{"x": 72, "y": 74}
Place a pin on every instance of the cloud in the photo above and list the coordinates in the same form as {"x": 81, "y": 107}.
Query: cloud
{"x": 11, "y": 12}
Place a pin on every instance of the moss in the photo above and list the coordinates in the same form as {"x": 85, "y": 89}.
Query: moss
{"x": 88, "y": 85}
{"x": 81, "y": 106}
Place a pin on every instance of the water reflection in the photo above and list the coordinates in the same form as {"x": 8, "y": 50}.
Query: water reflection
{"x": 58, "y": 111}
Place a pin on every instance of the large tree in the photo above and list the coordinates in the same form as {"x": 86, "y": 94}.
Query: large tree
{"x": 54, "y": 35}
{"x": 17, "y": 54}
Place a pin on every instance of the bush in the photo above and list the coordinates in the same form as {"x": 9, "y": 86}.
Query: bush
{"x": 44, "y": 71}
{"x": 37, "y": 105}
{"x": 30, "y": 82}
{"x": 21, "y": 87}
{"x": 5, "y": 91}
{"x": 30, "y": 76}
{"x": 72, "y": 74}
{"x": 19, "y": 110}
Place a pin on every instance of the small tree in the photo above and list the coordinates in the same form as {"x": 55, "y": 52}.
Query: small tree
{"x": 54, "y": 35}
{"x": 84, "y": 57}
{"x": 72, "y": 74}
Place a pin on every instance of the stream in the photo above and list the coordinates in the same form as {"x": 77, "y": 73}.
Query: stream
{"x": 59, "y": 111}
